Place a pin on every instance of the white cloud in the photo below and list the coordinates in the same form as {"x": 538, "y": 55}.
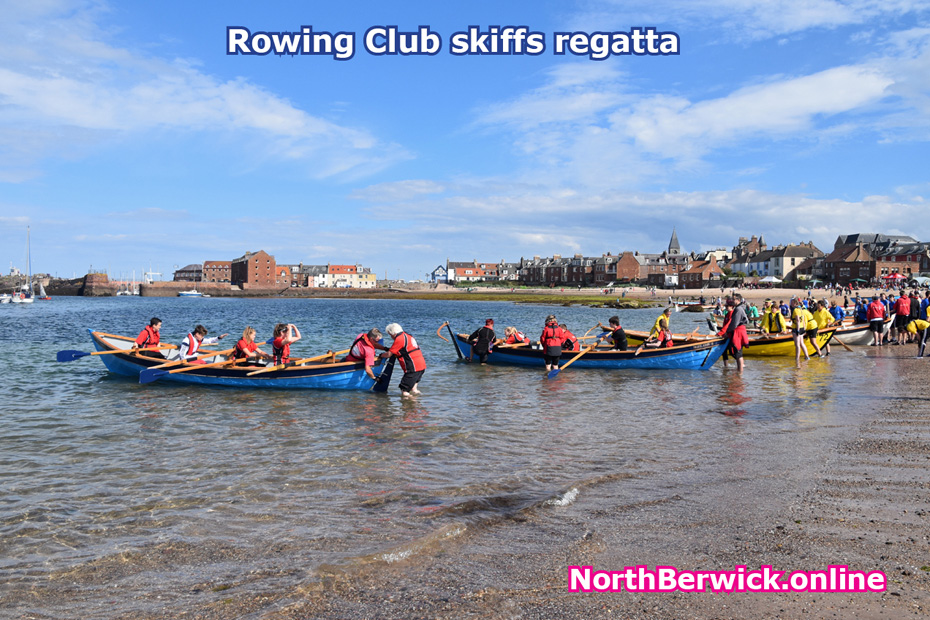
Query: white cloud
{"x": 398, "y": 190}
{"x": 676, "y": 128}
{"x": 745, "y": 19}
{"x": 597, "y": 134}
{"x": 58, "y": 71}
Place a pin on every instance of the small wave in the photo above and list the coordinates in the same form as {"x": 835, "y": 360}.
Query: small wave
{"x": 566, "y": 499}
{"x": 423, "y": 544}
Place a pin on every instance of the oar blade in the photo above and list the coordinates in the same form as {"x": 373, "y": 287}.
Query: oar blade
{"x": 150, "y": 374}
{"x": 384, "y": 379}
{"x": 554, "y": 373}
{"x": 70, "y": 355}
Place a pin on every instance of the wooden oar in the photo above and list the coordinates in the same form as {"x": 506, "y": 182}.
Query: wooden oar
{"x": 199, "y": 357}
{"x": 384, "y": 379}
{"x": 555, "y": 371}
{"x": 844, "y": 345}
{"x": 148, "y": 375}
{"x": 299, "y": 362}
{"x": 71, "y": 355}
{"x": 588, "y": 332}
{"x": 451, "y": 335}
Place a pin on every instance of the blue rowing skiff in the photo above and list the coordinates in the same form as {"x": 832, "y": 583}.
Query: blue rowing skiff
{"x": 315, "y": 375}
{"x": 695, "y": 356}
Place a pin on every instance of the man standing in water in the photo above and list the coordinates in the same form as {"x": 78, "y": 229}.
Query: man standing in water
{"x": 735, "y": 330}
{"x": 405, "y": 348}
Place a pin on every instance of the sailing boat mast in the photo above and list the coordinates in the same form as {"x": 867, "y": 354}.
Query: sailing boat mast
{"x": 29, "y": 264}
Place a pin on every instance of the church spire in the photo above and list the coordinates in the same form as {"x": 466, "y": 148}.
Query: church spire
{"x": 673, "y": 245}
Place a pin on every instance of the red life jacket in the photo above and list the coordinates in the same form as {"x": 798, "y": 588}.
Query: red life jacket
{"x": 552, "y": 336}
{"x": 243, "y": 349}
{"x": 356, "y": 354}
{"x": 193, "y": 345}
{"x": 406, "y": 349}
{"x": 665, "y": 339}
{"x": 148, "y": 337}
{"x": 280, "y": 350}
{"x": 570, "y": 343}
{"x": 516, "y": 338}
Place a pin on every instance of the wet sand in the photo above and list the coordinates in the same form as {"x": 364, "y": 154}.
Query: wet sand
{"x": 862, "y": 501}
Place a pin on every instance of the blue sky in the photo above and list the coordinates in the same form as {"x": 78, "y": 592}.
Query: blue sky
{"x": 129, "y": 138}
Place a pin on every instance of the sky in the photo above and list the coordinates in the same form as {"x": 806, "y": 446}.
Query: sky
{"x": 131, "y": 140}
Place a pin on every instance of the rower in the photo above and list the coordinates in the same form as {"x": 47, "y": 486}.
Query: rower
{"x": 192, "y": 341}
{"x": 149, "y": 337}
{"x": 617, "y": 335}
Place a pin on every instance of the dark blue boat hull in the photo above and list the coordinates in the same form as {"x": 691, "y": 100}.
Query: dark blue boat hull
{"x": 697, "y": 356}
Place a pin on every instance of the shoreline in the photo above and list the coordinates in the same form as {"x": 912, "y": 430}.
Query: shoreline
{"x": 636, "y": 297}
{"x": 859, "y": 503}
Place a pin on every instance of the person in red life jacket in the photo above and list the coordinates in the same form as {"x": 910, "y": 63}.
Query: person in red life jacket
{"x": 875, "y": 315}
{"x": 902, "y": 310}
{"x": 571, "y": 342}
{"x": 149, "y": 337}
{"x": 363, "y": 350}
{"x": 192, "y": 341}
{"x": 247, "y": 349}
{"x": 617, "y": 335}
{"x": 285, "y": 334}
{"x": 734, "y": 328}
{"x": 551, "y": 340}
{"x": 661, "y": 339}
{"x": 482, "y": 341}
{"x": 406, "y": 350}
{"x": 514, "y": 336}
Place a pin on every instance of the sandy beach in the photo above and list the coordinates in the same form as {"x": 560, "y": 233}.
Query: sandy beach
{"x": 862, "y": 502}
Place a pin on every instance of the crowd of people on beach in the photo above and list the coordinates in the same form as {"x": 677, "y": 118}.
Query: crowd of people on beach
{"x": 804, "y": 317}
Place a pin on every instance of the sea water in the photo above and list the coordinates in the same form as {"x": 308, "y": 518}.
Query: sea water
{"x": 136, "y": 499}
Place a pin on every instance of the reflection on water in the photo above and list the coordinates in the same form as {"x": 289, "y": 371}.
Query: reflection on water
{"x": 99, "y": 472}
{"x": 734, "y": 397}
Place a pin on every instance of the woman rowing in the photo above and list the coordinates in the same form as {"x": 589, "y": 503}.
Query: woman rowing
{"x": 285, "y": 334}
{"x": 513, "y": 336}
{"x": 246, "y": 349}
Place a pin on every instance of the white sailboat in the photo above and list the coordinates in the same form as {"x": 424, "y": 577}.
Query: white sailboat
{"x": 26, "y": 294}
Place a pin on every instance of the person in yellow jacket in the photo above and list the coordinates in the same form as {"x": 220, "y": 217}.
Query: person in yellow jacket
{"x": 664, "y": 317}
{"x": 824, "y": 318}
{"x": 919, "y": 328}
{"x": 803, "y": 325}
{"x": 773, "y": 321}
